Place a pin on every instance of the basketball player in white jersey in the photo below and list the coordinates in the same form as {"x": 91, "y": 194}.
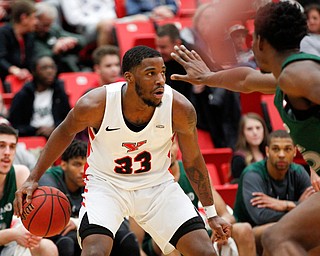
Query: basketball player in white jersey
{"x": 131, "y": 128}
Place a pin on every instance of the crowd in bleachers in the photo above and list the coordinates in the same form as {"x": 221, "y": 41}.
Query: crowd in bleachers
{"x": 53, "y": 52}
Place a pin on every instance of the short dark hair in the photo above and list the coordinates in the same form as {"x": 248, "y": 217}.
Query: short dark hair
{"x": 20, "y": 7}
{"x": 282, "y": 24}
{"x": 8, "y": 130}
{"x": 77, "y": 148}
{"x": 102, "y": 51}
{"x": 136, "y": 55}
{"x": 170, "y": 30}
{"x": 278, "y": 134}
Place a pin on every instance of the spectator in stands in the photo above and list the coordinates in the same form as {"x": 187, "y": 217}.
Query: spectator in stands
{"x": 270, "y": 188}
{"x": 68, "y": 177}
{"x": 92, "y": 18}
{"x": 23, "y": 155}
{"x": 106, "y": 63}
{"x": 251, "y": 143}
{"x": 17, "y": 42}
{"x": 241, "y": 232}
{"x": 5, "y": 10}
{"x": 15, "y": 239}
{"x": 52, "y": 40}
{"x": 218, "y": 110}
{"x": 311, "y": 42}
{"x": 167, "y": 36}
{"x": 42, "y": 103}
{"x": 244, "y": 55}
{"x": 154, "y": 10}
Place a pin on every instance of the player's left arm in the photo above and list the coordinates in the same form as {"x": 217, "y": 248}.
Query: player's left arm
{"x": 184, "y": 124}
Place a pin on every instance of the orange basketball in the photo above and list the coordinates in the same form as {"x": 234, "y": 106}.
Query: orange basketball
{"x": 48, "y": 213}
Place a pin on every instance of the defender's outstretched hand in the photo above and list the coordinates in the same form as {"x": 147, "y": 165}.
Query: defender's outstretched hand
{"x": 195, "y": 67}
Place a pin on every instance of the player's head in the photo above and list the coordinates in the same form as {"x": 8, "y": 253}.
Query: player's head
{"x": 144, "y": 69}
{"x": 133, "y": 57}
{"x": 167, "y": 37}
{"x": 280, "y": 150}
{"x": 106, "y": 63}
{"x": 73, "y": 161}
{"x": 8, "y": 142}
{"x": 282, "y": 25}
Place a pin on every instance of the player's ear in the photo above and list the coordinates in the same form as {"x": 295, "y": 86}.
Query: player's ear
{"x": 63, "y": 165}
{"x": 128, "y": 76}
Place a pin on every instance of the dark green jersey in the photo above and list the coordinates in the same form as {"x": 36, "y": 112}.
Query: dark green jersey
{"x": 304, "y": 132}
{"x": 6, "y": 202}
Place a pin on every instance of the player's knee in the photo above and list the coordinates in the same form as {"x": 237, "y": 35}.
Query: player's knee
{"x": 269, "y": 240}
{"x": 242, "y": 233}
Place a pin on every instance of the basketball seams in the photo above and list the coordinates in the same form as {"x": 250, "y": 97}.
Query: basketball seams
{"x": 52, "y": 203}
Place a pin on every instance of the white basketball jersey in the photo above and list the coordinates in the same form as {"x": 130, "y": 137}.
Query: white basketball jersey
{"x": 128, "y": 159}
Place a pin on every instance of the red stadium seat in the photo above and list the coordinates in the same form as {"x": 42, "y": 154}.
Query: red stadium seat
{"x": 180, "y": 22}
{"x": 271, "y": 113}
{"x": 204, "y": 139}
{"x": 251, "y": 102}
{"x": 228, "y": 193}
{"x": 187, "y": 8}
{"x": 130, "y": 34}
{"x": 221, "y": 158}
{"x": 77, "y": 83}
{"x": 33, "y": 142}
{"x": 15, "y": 83}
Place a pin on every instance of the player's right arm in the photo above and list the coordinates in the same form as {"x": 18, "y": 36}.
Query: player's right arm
{"x": 88, "y": 112}
{"x": 241, "y": 79}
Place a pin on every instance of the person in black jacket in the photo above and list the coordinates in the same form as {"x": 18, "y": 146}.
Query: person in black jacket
{"x": 17, "y": 41}
{"x": 42, "y": 103}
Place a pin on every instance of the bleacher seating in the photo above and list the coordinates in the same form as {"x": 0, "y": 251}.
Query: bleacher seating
{"x": 270, "y": 112}
{"x": 15, "y": 83}
{"x": 33, "y": 142}
{"x": 251, "y": 102}
{"x": 130, "y": 34}
{"x": 77, "y": 83}
{"x": 220, "y": 157}
{"x": 228, "y": 193}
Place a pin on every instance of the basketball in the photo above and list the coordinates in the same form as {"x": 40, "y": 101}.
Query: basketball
{"x": 48, "y": 213}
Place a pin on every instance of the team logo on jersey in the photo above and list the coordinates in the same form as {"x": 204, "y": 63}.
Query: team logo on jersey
{"x": 160, "y": 126}
{"x": 133, "y": 146}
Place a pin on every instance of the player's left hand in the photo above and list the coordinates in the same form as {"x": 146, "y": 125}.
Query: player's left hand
{"x": 221, "y": 229}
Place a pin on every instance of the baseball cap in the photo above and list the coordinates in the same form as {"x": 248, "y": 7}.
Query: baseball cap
{"x": 237, "y": 27}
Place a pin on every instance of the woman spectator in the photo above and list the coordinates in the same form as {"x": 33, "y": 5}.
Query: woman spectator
{"x": 311, "y": 42}
{"x": 251, "y": 142}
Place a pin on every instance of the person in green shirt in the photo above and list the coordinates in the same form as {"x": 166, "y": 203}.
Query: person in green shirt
{"x": 279, "y": 29}
{"x": 15, "y": 238}
{"x": 270, "y": 188}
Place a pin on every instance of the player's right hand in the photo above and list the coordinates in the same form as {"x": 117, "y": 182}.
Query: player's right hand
{"x": 24, "y": 192}
{"x": 221, "y": 229}
{"x": 193, "y": 64}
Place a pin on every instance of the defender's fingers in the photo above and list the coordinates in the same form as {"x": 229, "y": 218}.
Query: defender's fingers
{"x": 178, "y": 77}
{"x": 188, "y": 54}
{"x": 178, "y": 58}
